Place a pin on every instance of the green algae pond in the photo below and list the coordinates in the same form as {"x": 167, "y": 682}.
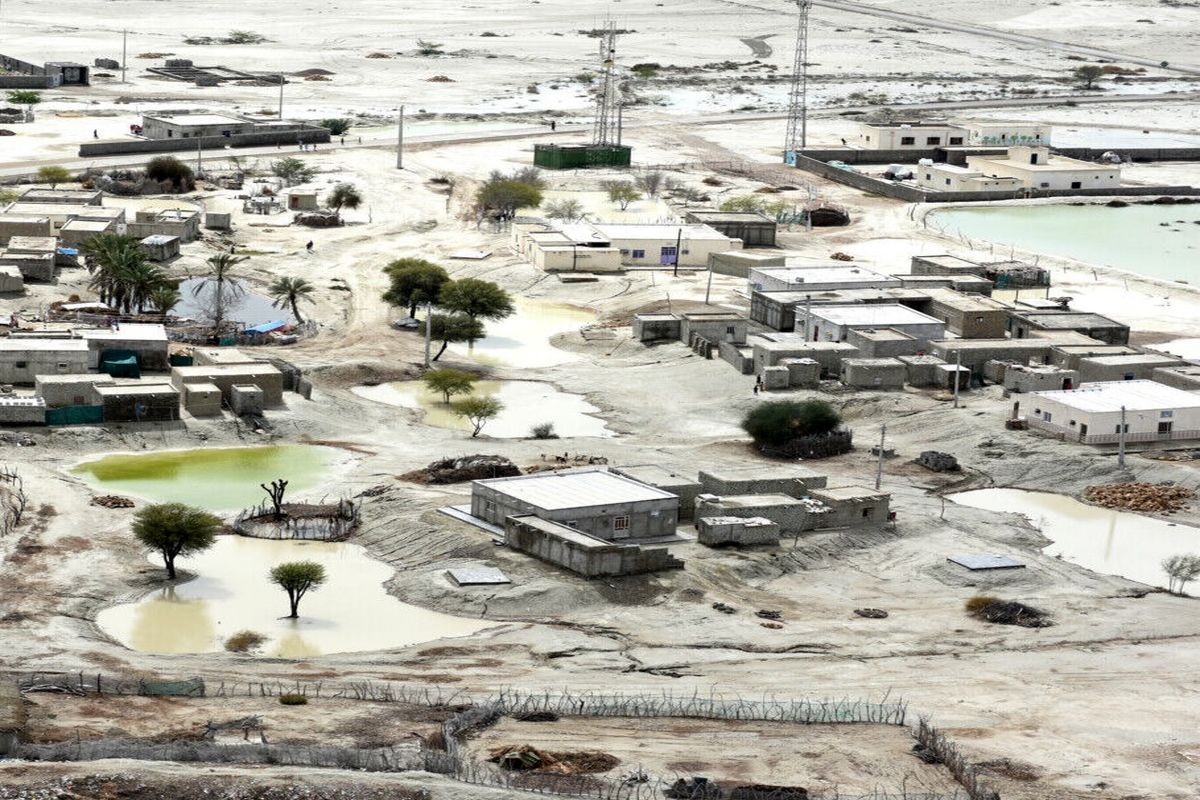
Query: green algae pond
{"x": 216, "y": 478}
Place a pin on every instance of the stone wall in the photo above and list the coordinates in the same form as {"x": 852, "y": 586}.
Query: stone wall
{"x": 823, "y": 446}
{"x": 311, "y": 135}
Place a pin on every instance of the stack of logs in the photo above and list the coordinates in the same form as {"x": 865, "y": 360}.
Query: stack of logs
{"x": 1154, "y": 498}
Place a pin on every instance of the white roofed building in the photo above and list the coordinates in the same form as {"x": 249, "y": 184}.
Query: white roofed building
{"x": 1092, "y": 413}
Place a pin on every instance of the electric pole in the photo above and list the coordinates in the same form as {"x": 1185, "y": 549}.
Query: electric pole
{"x": 281, "y": 97}
{"x": 124, "y": 54}
{"x": 1121, "y": 440}
{"x": 400, "y": 139}
{"x": 428, "y": 331}
{"x": 879, "y": 464}
{"x": 957, "y": 371}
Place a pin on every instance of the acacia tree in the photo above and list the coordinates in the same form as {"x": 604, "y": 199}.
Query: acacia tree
{"x": 1088, "y": 74}
{"x": 478, "y": 411}
{"x": 449, "y": 382}
{"x": 476, "y": 298}
{"x": 1181, "y": 570}
{"x": 780, "y": 421}
{"x": 622, "y": 193}
{"x": 174, "y": 530}
{"x": 652, "y": 183}
{"x": 292, "y": 170}
{"x": 448, "y": 328}
{"x": 53, "y": 175}
{"x": 27, "y": 98}
{"x": 297, "y": 578}
{"x": 504, "y": 196}
{"x": 414, "y": 281}
{"x": 344, "y": 195}
{"x": 566, "y": 210}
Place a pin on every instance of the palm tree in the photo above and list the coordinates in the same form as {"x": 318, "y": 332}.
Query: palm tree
{"x": 138, "y": 280}
{"x": 164, "y": 298}
{"x": 288, "y": 292}
{"x": 222, "y": 267}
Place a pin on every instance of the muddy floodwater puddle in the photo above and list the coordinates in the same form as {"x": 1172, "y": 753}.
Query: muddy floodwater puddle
{"x": 1156, "y": 241}
{"x": 1100, "y": 539}
{"x": 526, "y": 403}
{"x": 196, "y": 297}
{"x": 350, "y": 612}
{"x": 216, "y": 478}
{"x": 523, "y": 340}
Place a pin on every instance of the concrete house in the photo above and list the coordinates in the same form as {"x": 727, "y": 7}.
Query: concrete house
{"x": 910, "y": 135}
{"x": 818, "y": 279}
{"x": 833, "y": 323}
{"x": 1096, "y": 326}
{"x": 955, "y": 178}
{"x": 969, "y": 316}
{"x": 148, "y": 342}
{"x": 1124, "y": 368}
{"x": 1037, "y": 168}
{"x": 1091, "y": 414}
{"x": 227, "y": 377}
{"x": 754, "y": 230}
{"x": 595, "y": 501}
{"x": 653, "y": 245}
{"x": 22, "y": 360}
{"x": 189, "y": 126}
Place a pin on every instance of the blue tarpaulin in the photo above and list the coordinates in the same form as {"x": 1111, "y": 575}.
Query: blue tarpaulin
{"x": 267, "y": 327}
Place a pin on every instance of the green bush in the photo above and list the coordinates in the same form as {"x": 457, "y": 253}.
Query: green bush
{"x": 169, "y": 168}
{"x": 780, "y": 421}
{"x": 244, "y": 641}
{"x": 293, "y": 700}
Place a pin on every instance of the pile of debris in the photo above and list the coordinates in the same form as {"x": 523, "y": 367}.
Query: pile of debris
{"x": 1156, "y": 498}
{"x": 1007, "y": 612}
{"x": 112, "y": 501}
{"x": 527, "y": 758}
{"x": 318, "y": 219}
{"x": 704, "y": 789}
{"x": 463, "y": 469}
{"x": 938, "y": 462}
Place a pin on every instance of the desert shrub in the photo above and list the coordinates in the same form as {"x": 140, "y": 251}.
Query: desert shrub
{"x": 980, "y": 601}
{"x": 293, "y": 700}
{"x": 544, "y": 430}
{"x": 780, "y": 421}
{"x": 169, "y": 168}
{"x": 244, "y": 641}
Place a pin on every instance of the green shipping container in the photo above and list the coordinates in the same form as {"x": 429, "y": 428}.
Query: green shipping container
{"x": 552, "y": 156}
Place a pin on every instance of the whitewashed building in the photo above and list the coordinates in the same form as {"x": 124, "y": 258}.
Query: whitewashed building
{"x": 1091, "y": 414}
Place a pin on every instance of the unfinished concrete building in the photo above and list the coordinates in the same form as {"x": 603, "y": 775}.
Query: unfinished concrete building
{"x": 1069, "y": 356}
{"x": 791, "y": 480}
{"x": 851, "y": 506}
{"x": 22, "y": 360}
{"x": 582, "y": 553}
{"x": 23, "y": 225}
{"x": 34, "y": 257}
{"x": 683, "y": 487}
{"x": 967, "y": 316}
{"x": 754, "y": 229}
{"x": 22, "y": 410}
{"x": 62, "y": 391}
{"x": 182, "y": 223}
{"x": 1124, "y": 368}
{"x": 69, "y": 197}
{"x": 75, "y": 233}
{"x": 771, "y": 349}
{"x": 792, "y": 515}
{"x": 225, "y": 376}
{"x": 740, "y": 531}
{"x": 202, "y": 399}
{"x": 975, "y": 353}
{"x": 1037, "y": 378}
{"x": 11, "y": 279}
{"x": 139, "y": 402}
{"x": 883, "y": 342}
{"x": 595, "y": 501}
{"x": 1184, "y": 376}
{"x": 884, "y": 374}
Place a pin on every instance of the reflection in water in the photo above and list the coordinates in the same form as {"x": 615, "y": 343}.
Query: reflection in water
{"x": 526, "y": 403}
{"x": 230, "y": 593}
{"x": 212, "y": 477}
{"x": 1112, "y": 542}
{"x": 523, "y": 340}
{"x": 247, "y": 307}
{"x": 1157, "y": 241}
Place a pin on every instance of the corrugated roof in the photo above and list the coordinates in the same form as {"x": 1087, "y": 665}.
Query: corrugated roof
{"x": 575, "y": 489}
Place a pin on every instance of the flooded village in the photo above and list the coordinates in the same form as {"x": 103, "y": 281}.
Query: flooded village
{"x": 740, "y": 401}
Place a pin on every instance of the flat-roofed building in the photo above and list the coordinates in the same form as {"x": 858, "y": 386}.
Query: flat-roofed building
{"x": 148, "y": 342}
{"x": 22, "y": 360}
{"x": 226, "y": 376}
{"x": 910, "y": 135}
{"x": 818, "y": 279}
{"x": 139, "y": 402}
{"x": 1037, "y": 168}
{"x": 60, "y": 213}
{"x": 1091, "y": 414}
{"x": 1096, "y": 326}
{"x": 595, "y": 501}
{"x": 190, "y": 126}
{"x": 975, "y": 353}
{"x": 754, "y": 229}
{"x": 74, "y": 197}
{"x": 1139, "y": 366}
{"x": 953, "y": 178}
{"x": 833, "y": 323}
{"x": 969, "y": 316}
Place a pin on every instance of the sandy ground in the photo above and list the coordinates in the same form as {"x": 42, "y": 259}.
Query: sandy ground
{"x": 1092, "y": 707}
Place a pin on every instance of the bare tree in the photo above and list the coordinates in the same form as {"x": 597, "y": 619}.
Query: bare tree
{"x": 275, "y": 492}
{"x": 1181, "y": 570}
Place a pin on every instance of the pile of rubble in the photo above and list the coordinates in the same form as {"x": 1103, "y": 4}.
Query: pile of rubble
{"x": 1155, "y": 498}
{"x": 112, "y": 501}
{"x": 463, "y": 469}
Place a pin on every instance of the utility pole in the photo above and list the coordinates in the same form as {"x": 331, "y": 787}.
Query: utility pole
{"x": 199, "y": 164}
{"x": 807, "y": 316}
{"x": 957, "y": 370}
{"x": 678, "y": 250}
{"x": 124, "y": 53}
{"x": 879, "y": 464}
{"x": 708, "y": 288}
{"x": 797, "y": 130}
{"x": 428, "y": 331}
{"x": 281, "y": 97}
{"x": 400, "y": 139}
{"x": 1121, "y": 440}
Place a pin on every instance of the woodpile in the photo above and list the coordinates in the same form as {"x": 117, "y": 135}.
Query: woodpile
{"x": 1153, "y": 498}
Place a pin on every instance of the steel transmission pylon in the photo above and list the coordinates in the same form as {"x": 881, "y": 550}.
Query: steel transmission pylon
{"x": 607, "y": 130}
{"x": 797, "y": 131}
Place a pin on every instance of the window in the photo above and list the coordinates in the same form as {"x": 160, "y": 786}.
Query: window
{"x": 1048, "y": 416}
{"x": 1071, "y": 424}
{"x": 1166, "y": 414}
{"x": 979, "y": 319}
{"x": 22, "y": 364}
{"x": 956, "y": 140}
{"x": 620, "y": 523}
{"x": 1037, "y": 411}
{"x": 1076, "y": 185}
{"x": 1117, "y": 428}
{"x": 908, "y": 140}
{"x": 624, "y": 252}
{"x": 1045, "y": 186}
{"x": 639, "y": 253}
{"x": 947, "y": 181}
{"x": 1165, "y": 427}
{"x": 867, "y": 511}
{"x": 489, "y": 507}
{"x": 1033, "y": 158}
{"x": 933, "y": 140}
{"x": 928, "y": 177}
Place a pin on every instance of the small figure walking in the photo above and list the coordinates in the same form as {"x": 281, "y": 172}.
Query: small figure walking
{"x": 553, "y": 124}
{"x": 95, "y": 134}
{"x": 309, "y": 246}
{"x": 343, "y": 141}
